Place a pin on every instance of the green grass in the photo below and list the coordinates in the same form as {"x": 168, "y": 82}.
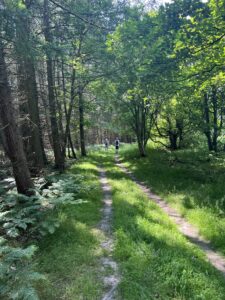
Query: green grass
{"x": 70, "y": 257}
{"x": 194, "y": 184}
{"x": 155, "y": 260}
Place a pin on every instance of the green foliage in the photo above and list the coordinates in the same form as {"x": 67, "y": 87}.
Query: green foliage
{"x": 23, "y": 218}
{"x": 17, "y": 277}
{"x": 21, "y": 214}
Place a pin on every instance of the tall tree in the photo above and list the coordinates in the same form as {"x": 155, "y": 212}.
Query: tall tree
{"x": 58, "y": 154}
{"x": 25, "y": 52}
{"x": 10, "y": 133}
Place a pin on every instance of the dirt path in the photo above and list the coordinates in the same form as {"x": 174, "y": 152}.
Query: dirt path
{"x": 217, "y": 260}
{"x": 112, "y": 280}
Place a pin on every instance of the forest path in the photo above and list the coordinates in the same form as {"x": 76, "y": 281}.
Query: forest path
{"x": 188, "y": 230}
{"x": 112, "y": 279}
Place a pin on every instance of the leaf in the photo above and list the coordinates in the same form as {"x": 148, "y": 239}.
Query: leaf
{"x": 2, "y": 241}
{"x": 22, "y": 225}
{"x": 51, "y": 229}
{"x": 12, "y": 232}
{"x": 7, "y": 225}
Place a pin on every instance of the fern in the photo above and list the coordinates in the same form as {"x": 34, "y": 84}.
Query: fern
{"x": 29, "y": 216}
{"x": 20, "y": 213}
{"x": 16, "y": 274}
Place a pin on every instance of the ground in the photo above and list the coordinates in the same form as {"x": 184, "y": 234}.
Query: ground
{"x": 155, "y": 260}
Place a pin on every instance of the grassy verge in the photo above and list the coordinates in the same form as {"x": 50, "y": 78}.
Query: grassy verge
{"x": 70, "y": 257}
{"x": 156, "y": 261}
{"x": 191, "y": 181}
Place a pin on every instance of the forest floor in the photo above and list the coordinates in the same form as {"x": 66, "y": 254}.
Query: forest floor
{"x": 155, "y": 260}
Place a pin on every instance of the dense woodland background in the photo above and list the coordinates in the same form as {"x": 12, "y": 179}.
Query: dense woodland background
{"x": 75, "y": 72}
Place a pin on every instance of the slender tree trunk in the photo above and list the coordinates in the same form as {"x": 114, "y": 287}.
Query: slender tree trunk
{"x": 71, "y": 145}
{"x": 70, "y": 110}
{"x": 173, "y": 137}
{"x": 215, "y": 118}
{"x": 11, "y": 137}
{"x": 180, "y": 129}
{"x": 81, "y": 122}
{"x": 207, "y": 123}
{"x": 68, "y": 150}
{"x": 59, "y": 157}
{"x": 57, "y": 88}
{"x": 141, "y": 147}
{"x": 140, "y": 130}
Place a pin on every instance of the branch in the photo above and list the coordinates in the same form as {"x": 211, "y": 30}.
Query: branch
{"x": 209, "y": 44}
{"x": 77, "y": 16}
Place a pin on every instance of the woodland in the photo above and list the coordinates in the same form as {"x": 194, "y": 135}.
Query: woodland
{"x": 73, "y": 73}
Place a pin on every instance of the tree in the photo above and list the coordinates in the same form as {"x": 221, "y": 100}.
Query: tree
{"x": 10, "y": 133}
{"x": 28, "y": 93}
{"x": 58, "y": 154}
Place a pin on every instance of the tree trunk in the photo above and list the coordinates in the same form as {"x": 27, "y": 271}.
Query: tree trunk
{"x": 11, "y": 137}
{"x": 141, "y": 147}
{"x": 59, "y": 157}
{"x": 29, "y": 94}
{"x": 81, "y": 123}
{"x": 32, "y": 128}
{"x": 71, "y": 145}
{"x": 173, "y": 137}
{"x": 207, "y": 123}
{"x": 215, "y": 118}
{"x": 68, "y": 112}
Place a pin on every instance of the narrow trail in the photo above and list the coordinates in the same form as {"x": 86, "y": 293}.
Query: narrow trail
{"x": 110, "y": 281}
{"x": 188, "y": 230}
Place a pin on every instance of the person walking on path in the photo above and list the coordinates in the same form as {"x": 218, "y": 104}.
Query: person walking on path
{"x": 117, "y": 145}
{"x": 106, "y": 142}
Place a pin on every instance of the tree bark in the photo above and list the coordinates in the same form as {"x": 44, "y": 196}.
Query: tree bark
{"x": 207, "y": 122}
{"x": 11, "y": 137}
{"x": 59, "y": 157}
{"x": 215, "y": 118}
{"x": 71, "y": 145}
{"x": 81, "y": 122}
{"x": 29, "y": 94}
{"x": 68, "y": 112}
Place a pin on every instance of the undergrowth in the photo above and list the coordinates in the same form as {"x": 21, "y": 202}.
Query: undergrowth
{"x": 24, "y": 222}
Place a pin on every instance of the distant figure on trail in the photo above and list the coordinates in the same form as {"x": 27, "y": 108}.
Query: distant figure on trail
{"x": 106, "y": 142}
{"x": 117, "y": 145}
